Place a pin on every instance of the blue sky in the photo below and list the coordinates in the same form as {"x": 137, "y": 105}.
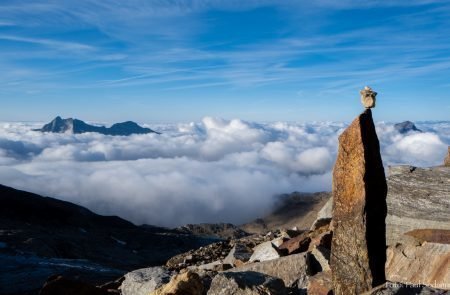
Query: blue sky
{"x": 260, "y": 60}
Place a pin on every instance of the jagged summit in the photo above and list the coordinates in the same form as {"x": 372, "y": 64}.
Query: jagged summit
{"x": 75, "y": 126}
{"x": 405, "y": 127}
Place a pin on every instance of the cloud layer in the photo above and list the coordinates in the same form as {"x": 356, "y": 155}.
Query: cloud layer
{"x": 211, "y": 171}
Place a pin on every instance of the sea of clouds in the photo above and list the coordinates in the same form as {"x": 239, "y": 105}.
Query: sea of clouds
{"x": 215, "y": 170}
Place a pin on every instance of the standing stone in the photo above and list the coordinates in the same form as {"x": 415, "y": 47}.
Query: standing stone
{"x": 447, "y": 160}
{"x": 358, "y": 250}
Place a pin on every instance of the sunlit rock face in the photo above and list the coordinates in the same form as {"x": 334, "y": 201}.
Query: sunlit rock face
{"x": 359, "y": 210}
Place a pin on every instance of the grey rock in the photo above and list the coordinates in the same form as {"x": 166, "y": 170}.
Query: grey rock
{"x": 263, "y": 252}
{"x": 290, "y": 269}
{"x": 145, "y": 280}
{"x": 318, "y": 260}
{"x": 246, "y": 283}
{"x": 324, "y": 215}
{"x": 238, "y": 255}
{"x": 418, "y": 198}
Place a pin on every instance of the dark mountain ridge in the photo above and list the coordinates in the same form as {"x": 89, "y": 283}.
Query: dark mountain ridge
{"x": 41, "y": 236}
{"x": 75, "y": 126}
{"x": 405, "y": 127}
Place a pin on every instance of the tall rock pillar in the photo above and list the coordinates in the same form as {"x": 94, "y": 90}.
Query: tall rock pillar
{"x": 358, "y": 251}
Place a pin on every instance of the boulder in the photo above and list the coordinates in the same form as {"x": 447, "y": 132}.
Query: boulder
{"x": 246, "y": 283}
{"x": 238, "y": 255}
{"x": 263, "y": 252}
{"x": 417, "y": 199}
{"x": 58, "y": 285}
{"x": 421, "y": 264}
{"x": 358, "y": 250}
{"x": 187, "y": 283}
{"x": 322, "y": 240}
{"x": 291, "y": 269}
{"x": 296, "y": 245}
{"x": 447, "y": 159}
{"x": 318, "y": 260}
{"x": 145, "y": 280}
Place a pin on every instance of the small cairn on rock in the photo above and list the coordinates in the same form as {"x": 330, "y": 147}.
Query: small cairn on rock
{"x": 368, "y": 97}
{"x": 358, "y": 250}
{"x": 447, "y": 160}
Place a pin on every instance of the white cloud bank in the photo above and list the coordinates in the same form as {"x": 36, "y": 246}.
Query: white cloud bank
{"x": 212, "y": 171}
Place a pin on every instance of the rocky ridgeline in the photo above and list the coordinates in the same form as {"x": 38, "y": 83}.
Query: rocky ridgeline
{"x": 344, "y": 252}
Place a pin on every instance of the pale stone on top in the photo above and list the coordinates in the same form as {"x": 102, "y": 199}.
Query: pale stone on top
{"x": 368, "y": 97}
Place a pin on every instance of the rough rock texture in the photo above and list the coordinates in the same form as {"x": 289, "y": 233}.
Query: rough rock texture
{"x": 318, "y": 260}
{"x": 246, "y": 283}
{"x": 296, "y": 245}
{"x": 263, "y": 252}
{"x": 368, "y": 97}
{"x": 427, "y": 264}
{"x": 320, "y": 284}
{"x": 182, "y": 284}
{"x": 218, "y": 230}
{"x": 145, "y": 280}
{"x": 418, "y": 198}
{"x": 203, "y": 255}
{"x": 59, "y": 285}
{"x": 358, "y": 250}
{"x": 447, "y": 159}
{"x": 289, "y": 268}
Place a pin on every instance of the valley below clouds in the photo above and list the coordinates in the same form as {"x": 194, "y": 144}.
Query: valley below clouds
{"x": 215, "y": 170}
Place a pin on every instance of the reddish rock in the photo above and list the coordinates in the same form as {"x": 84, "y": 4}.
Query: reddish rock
{"x": 322, "y": 240}
{"x": 440, "y": 236}
{"x": 358, "y": 250}
{"x": 58, "y": 285}
{"x": 295, "y": 245}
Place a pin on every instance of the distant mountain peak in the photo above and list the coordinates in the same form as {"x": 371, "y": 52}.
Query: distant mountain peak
{"x": 406, "y": 126}
{"x": 76, "y": 126}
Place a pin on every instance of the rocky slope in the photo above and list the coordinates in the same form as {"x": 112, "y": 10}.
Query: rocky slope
{"x": 42, "y": 236}
{"x": 75, "y": 126}
{"x": 217, "y": 230}
{"x": 292, "y": 210}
